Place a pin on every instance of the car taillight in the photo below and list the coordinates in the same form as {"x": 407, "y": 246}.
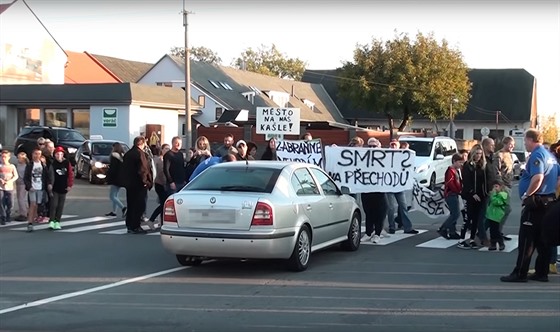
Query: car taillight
{"x": 169, "y": 211}
{"x": 262, "y": 215}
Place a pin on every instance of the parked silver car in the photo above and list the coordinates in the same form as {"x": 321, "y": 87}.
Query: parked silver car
{"x": 260, "y": 210}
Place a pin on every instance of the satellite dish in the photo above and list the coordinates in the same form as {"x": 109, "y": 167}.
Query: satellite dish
{"x": 485, "y": 131}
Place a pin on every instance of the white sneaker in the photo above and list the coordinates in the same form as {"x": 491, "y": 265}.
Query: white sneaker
{"x": 375, "y": 239}
{"x": 366, "y": 238}
{"x": 384, "y": 234}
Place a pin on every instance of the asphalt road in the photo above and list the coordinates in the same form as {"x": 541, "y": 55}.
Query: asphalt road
{"x": 88, "y": 280}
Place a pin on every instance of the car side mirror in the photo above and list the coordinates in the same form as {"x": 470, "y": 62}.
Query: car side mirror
{"x": 345, "y": 190}
{"x": 438, "y": 157}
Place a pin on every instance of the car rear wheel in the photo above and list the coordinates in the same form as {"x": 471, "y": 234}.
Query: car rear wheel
{"x": 354, "y": 233}
{"x": 188, "y": 260}
{"x": 433, "y": 182}
{"x": 302, "y": 250}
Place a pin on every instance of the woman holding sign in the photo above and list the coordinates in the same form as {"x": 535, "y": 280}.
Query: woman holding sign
{"x": 375, "y": 207}
{"x": 270, "y": 151}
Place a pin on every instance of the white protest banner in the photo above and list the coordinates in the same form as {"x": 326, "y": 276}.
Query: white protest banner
{"x": 431, "y": 203}
{"x": 283, "y": 121}
{"x": 370, "y": 170}
{"x": 302, "y": 151}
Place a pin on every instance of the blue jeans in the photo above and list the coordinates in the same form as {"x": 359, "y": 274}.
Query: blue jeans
{"x": 553, "y": 255}
{"x": 5, "y": 205}
{"x": 454, "y": 213}
{"x": 114, "y": 196}
{"x": 402, "y": 210}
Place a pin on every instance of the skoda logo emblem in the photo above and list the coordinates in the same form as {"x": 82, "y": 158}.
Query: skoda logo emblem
{"x": 213, "y": 200}
{"x": 179, "y": 201}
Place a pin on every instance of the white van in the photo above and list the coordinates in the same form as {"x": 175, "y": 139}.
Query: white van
{"x": 433, "y": 157}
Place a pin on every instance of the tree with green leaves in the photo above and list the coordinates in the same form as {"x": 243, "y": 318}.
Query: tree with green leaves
{"x": 201, "y": 53}
{"x": 402, "y": 78}
{"x": 270, "y": 61}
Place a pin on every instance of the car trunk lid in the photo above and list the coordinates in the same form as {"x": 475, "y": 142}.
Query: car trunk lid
{"x": 215, "y": 210}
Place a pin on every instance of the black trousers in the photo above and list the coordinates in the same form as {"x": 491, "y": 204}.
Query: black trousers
{"x": 475, "y": 214}
{"x": 375, "y": 207}
{"x": 531, "y": 237}
{"x": 162, "y": 196}
{"x": 135, "y": 206}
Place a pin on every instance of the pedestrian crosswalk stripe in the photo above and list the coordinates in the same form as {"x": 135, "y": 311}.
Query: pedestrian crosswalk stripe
{"x": 391, "y": 238}
{"x": 16, "y": 223}
{"x": 123, "y": 231}
{"x": 115, "y": 232}
{"x": 438, "y": 243}
{"x": 92, "y": 227}
{"x": 510, "y": 245}
{"x": 65, "y": 223}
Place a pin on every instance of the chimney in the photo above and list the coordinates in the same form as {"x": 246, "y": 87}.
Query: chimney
{"x": 293, "y": 91}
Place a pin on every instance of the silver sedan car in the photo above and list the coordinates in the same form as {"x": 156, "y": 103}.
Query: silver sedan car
{"x": 260, "y": 210}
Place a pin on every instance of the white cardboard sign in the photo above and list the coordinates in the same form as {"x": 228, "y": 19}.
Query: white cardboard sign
{"x": 366, "y": 170}
{"x": 301, "y": 151}
{"x": 283, "y": 121}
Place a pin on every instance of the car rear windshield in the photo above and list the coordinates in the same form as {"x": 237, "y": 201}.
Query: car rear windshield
{"x": 246, "y": 179}
{"x": 70, "y": 135}
{"x": 422, "y": 148}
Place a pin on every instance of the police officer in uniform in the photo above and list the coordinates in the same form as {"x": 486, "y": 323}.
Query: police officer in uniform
{"x": 537, "y": 189}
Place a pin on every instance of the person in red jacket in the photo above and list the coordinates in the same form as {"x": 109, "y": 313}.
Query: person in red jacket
{"x": 453, "y": 187}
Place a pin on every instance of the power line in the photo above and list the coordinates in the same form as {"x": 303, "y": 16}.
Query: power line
{"x": 44, "y": 27}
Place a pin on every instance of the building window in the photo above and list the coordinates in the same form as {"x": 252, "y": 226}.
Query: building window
{"x": 219, "y": 112}
{"x": 459, "y": 133}
{"x": 56, "y": 117}
{"x": 80, "y": 121}
{"x": 32, "y": 116}
{"x": 202, "y": 100}
{"x": 165, "y": 84}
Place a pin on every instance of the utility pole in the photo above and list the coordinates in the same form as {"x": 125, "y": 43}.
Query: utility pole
{"x": 497, "y": 119}
{"x": 188, "y": 120}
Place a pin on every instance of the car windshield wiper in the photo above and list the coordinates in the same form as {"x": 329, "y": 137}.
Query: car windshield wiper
{"x": 241, "y": 188}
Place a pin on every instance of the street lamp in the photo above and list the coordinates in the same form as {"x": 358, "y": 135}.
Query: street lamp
{"x": 451, "y": 124}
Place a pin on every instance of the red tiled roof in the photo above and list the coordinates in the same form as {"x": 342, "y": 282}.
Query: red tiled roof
{"x": 82, "y": 69}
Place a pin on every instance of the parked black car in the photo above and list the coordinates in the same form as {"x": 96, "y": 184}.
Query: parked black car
{"x": 70, "y": 139}
{"x": 92, "y": 159}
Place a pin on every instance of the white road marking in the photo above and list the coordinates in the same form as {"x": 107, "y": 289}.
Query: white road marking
{"x": 64, "y": 223}
{"x": 92, "y": 227}
{"x": 438, "y": 243}
{"x": 399, "y": 235}
{"x": 510, "y": 245}
{"x": 115, "y": 232}
{"x": 14, "y": 223}
{"x": 89, "y": 290}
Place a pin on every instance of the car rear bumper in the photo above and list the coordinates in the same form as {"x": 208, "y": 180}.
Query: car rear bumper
{"x": 266, "y": 245}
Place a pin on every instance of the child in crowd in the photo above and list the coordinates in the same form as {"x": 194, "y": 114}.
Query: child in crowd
{"x": 62, "y": 178}
{"x": 8, "y": 175}
{"x": 23, "y": 204}
{"x": 36, "y": 181}
{"x": 453, "y": 187}
{"x": 495, "y": 212}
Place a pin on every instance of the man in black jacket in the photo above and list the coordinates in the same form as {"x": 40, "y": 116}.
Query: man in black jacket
{"x": 138, "y": 179}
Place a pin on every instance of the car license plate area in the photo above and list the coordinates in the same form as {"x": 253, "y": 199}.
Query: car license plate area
{"x": 212, "y": 216}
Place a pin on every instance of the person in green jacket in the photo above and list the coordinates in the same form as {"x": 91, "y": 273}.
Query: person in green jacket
{"x": 495, "y": 213}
